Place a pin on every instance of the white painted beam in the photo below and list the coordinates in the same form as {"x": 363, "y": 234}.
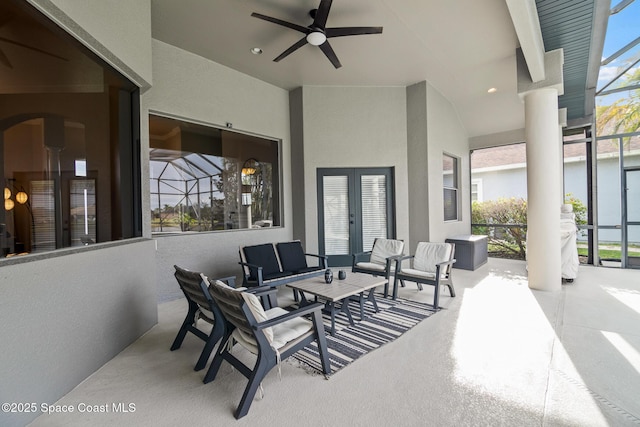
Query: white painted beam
{"x": 527, "y": 25}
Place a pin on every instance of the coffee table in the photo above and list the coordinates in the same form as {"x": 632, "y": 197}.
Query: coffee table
{"x": 340, "y": 291}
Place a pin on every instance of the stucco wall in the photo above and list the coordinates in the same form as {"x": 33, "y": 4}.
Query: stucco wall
{"x": 434, "y": 129}
{"x": 445, "y": 134}
{"x": 417, "y": 166}
{"x": 119, "y": 32}
{"x": 353, "y": 127}
{"x": 65, "y": 314}
{"x": 190, "y": 87}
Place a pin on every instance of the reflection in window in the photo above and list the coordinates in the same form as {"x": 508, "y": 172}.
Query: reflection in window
{"x": 207, "y": 179}
{"x": 450, "y": 184}
{"x": 65, "y": 145}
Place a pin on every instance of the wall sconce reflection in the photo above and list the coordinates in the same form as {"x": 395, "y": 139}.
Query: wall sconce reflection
{"x": 14, "y": 196}
{"x": 21, "y": 197}
{"x": 250, "y": 166}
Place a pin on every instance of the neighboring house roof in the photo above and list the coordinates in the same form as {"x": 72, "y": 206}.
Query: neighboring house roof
{"x": 514, "y": 155}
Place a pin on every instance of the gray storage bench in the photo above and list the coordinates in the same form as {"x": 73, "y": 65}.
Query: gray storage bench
{"x": 471, "y": 251}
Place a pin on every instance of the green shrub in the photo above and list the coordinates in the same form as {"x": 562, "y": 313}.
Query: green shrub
{"x": 513, "y": 211}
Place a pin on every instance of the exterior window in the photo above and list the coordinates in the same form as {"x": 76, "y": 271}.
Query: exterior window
{"x": 67, "y": 157}
{"x": 476, "y": 190}
{"x": 208, "y": 179}
{"x": 450, "y": 186}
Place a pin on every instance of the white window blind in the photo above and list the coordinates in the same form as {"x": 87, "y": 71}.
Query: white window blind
{"x": 336, "y": 214}
{"x": 374, "y": 209}
{"x": 43, "y": 207}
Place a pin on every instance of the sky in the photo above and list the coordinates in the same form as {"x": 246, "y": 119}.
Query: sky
{"x": 623, "y": 27}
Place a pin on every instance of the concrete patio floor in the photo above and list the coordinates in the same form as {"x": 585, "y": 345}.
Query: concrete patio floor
{"x": 497, "y": 354}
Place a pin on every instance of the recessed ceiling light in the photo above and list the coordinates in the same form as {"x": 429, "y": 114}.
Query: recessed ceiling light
{"x": 256, "y": 50}
{"x": 492, "y": 90}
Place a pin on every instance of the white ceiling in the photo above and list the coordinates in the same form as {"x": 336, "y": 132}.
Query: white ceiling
{"x": 462, "y": 47}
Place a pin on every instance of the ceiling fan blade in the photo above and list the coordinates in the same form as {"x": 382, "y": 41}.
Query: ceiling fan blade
{"x": 4, "y": 60}
{"x": 297, "y": 45}
{"x": 35, "y": 49}
{"x": 326, "y": 48}
{"x": 296, "y": 27}
{"x": 352, "y": 31}
{"x": 320, "y": 20}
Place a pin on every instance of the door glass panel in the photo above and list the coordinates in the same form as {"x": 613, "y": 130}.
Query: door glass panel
{"x": 374, "y": 209}
{"x": 633, "y": 218}
{"x": 575, "y": 188}
{"x": 609, "y": 253}
{"x": 609, "y": 213}
{"x": 336, "y": 214}
{"x": 633, "y": 199}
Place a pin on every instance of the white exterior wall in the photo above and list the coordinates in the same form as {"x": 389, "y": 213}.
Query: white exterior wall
{"x": 512, "y": 182}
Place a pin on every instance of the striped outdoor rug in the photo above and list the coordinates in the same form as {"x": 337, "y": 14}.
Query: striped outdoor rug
{"x": 352, "y": 342}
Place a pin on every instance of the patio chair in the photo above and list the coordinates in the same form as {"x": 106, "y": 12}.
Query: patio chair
{"x": 201, "y": 306}
{"x": 272, "y": 335}
{"x": 431, "y": 265}
{"x": 379, "y": 259}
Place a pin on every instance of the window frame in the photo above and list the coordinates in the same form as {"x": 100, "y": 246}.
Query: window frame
{"x": 277, "y": 216}
{"x": 454, "y": 188}
{"x": 118, "y": 133}
{"x": 478, "y": 183}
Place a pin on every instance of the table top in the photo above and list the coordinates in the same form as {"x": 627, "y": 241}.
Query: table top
{"x": 337, "y": 290}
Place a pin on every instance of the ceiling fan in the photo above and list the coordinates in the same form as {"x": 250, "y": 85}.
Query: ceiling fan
{"x": 317, "y": 34}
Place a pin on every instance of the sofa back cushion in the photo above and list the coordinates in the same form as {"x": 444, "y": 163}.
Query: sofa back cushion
{"x": 292, "y": 256}
{"x": 263, "y": 256}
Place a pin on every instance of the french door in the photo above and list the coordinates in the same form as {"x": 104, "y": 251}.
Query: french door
{"x": 355, "y": 206}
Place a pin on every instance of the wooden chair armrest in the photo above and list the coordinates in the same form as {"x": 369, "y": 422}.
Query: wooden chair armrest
{"x": 356, "y": 257}
{"x": 451, "y": 261}
{"x": 229, "y": 280}
{"x": 393, "y": 258}
{"x": 261, "y": 290}
{"x": 399, "y": 259}
{"x": 322, "y": 259}
{"x": 258, "y": 270}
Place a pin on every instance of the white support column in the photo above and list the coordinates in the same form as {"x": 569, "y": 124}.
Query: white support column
{"x": 544, "y": 189}
{"x": 562, "y": 123}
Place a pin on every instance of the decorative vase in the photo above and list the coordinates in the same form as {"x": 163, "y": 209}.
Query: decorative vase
{"x": 328, "y": 276}
{"x": 342, "y": 274}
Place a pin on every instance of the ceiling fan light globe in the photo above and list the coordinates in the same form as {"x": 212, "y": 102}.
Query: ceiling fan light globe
{"x": 316, "y": 38}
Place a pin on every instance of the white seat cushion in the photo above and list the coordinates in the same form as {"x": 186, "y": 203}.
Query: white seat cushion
{"x": 429, "y": 254}
{"x": 385, "y": 248}
{"x": 282, "y": 333}
{"x": 371, "y": 266}
{"x": 419, "y": 274}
